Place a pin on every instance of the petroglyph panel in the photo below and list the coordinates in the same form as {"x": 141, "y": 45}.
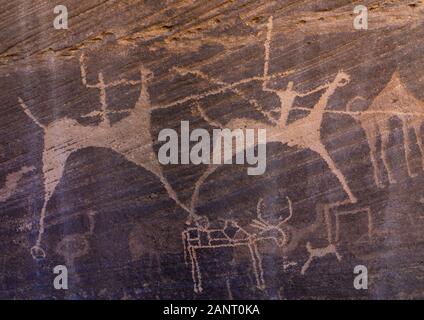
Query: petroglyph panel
{"x": 81, "y": 184}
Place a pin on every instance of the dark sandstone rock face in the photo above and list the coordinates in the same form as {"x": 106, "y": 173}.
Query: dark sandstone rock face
{"x": 81, "y": 184}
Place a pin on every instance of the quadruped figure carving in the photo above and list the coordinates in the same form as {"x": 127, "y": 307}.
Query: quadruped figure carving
{"x": 64, "y": 136}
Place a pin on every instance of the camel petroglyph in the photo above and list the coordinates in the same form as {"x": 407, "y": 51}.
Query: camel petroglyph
{"x": 395, "y": 100}
{"x": 406, "y": 107}
{"x": 64, "y": 136}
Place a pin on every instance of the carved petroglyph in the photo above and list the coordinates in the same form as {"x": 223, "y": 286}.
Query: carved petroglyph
{"x": 267, "y": 229}
{"x": 289, "y": 264}
{"x": 319, "y": 253}
{"x": 102, "y": 86}
{"x": 229, "y": 292}
{"x": 12, "y": 181}
{"x": 253, "y": 102}
{"x": 303, "y": 133}
{"x": 333, "y": 217}
{"x": 199, "y": 235}
{"x": 293, "y": 134}
{"x": 393, "y": 101}
{"x": 365, "y": 211}
{"x": 64, "y": 136}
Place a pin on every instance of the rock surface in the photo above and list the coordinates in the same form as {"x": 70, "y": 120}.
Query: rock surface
{"x": 81, "y": 186}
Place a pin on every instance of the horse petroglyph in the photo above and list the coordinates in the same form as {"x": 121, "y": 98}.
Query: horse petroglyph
{"x": 131, "y": 137}
{"x": 394, "y": 100}
{"x": 64, "y": 136}
{"x": 303, "y": 133}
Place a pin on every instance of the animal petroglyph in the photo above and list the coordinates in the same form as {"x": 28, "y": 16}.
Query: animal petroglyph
{"x": 319, "y": 253}
{"x": 303, "y": 133}
{"x": 199, "y": 236}
{"x": 393, "y": 101}
{"x": 332, "y": 216}
{"x": 64, "y": 136}
{"x": 272, "y": 230}
{"x": 12, "y": 181}
{"x": 293, "y": 134}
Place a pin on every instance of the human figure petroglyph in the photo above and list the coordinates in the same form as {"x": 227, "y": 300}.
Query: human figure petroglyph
{"x": 64, "y": 136}
{"x": 56, "y": 158}
{"x": 102, "y": 86}
{"x": 395, "y": 100}
{"x": 286, "y": 98}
